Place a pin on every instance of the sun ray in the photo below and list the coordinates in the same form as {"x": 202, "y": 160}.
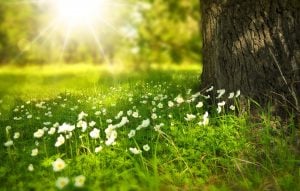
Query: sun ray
{"x": 38, "y": 37}
{"x": 66, "y": 40}
{"x": 74, "y": 15}
{"x": 111, "y": 26}
{"x": 98, "y": 43}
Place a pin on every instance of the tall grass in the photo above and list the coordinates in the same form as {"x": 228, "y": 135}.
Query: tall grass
{"x": 171, "y": 147}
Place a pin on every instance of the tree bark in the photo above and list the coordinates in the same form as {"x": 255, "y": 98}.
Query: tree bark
{"x": 253, "y": 46}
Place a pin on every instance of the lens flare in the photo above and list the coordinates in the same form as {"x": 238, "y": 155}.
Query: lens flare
{"x": 78, "y": 12}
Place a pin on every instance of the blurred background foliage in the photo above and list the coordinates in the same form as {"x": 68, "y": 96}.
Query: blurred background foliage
{"x": 132, "y": 32}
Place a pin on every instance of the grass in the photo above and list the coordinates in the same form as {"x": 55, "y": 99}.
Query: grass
{"x": 231, "y": 152}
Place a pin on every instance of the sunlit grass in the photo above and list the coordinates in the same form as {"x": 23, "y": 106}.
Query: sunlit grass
{"x": 125, "y": 130}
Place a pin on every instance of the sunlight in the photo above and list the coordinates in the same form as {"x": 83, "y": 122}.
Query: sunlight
{"x": 79, "y": 12}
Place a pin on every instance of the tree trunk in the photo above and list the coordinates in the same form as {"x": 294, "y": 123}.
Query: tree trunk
{"x": 253, "y": 46}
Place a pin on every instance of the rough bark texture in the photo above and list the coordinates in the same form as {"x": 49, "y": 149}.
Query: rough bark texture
{"x": 253, "y": 46}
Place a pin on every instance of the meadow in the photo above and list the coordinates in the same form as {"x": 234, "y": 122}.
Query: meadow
{"x": 86, "y": 127}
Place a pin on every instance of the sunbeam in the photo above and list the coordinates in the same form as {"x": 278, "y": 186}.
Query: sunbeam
{"x": 41, "y": 34}
{"x": 66, "y": 39}
{"x": 73, "y": 20}
{"x": 98, "y": 43}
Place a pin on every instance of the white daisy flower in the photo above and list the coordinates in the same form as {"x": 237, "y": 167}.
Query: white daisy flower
{"x": 119, "y": 115}
{"x": 129, "y": 112}
{"x": 135, "y": 151}
{"x": 144, "y": 102}
{"x": 157, "y": 127}
{"x": 97, "y": 113}
{"x": 34, "y": 152}
{"x": 220, "y": 92}
{"x": 45, "y": 129}
{"x": 199, "y": 104}
{"x": 16, "y": 135}
{"x": 153, "y": 116}
{"x": 79, "y": 181}
{"x": 219, "y": 109}
{"x": 69, "y": 135}
{"x": 205, "y": 119}
{"x": 221, "y": 104}
{"x": 190, "y": 117}
{"x": 82, "y": 115}
{"x": 131, "y": 134}
{"x": 160, "y": 105}
{"x": 83, "y": 125}
{"x": 196, "y": 95}
{"x": 179, "y": 99}
{"x": 231, "y": 95}
{"x": 39, "y": 133}
{"x": 56, "y": 125}
{"x": 145, "y": 123}
{"x": 146, "y": 147}
{"x": 65, "y": 128}
{"x": 30, "y": 168}
{"x": 111, "y": 135}
{"x": 135, "y": 114}
{"x": 60, "y": 140}
{"x": 210, "y": 89}
{"x": 123, "y": 122}
{"x": 92, "y": 123}
{"x": 62, "y": 182}
{"x": 95, "y": 133}
{"x": 103, "y": 111}
{"x": 47, "y": 123}
{"x": 58, "y": 165}
{"x": 170, "y": 104}
{"x": 232, "y": 107}
{"x": 8, "y": 143}
{"x": 51, "y": 131}
{"x": 98, "y": 149}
